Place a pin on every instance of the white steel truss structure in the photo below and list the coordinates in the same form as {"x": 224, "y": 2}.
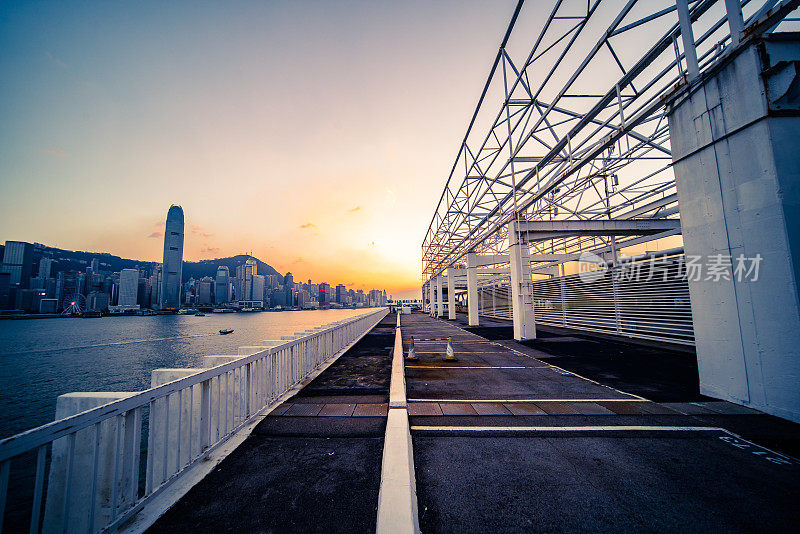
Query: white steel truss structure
{"x": 580, "y": 132}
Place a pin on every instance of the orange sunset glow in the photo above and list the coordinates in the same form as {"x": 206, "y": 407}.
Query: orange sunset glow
{"x": 317, "y": 136}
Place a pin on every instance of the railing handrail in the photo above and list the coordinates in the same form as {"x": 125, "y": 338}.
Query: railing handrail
{"x": 36, "y": 437}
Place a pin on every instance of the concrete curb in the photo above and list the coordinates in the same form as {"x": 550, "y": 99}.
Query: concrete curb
{"x": 397, "y": 383}
{"x": 397, "y": 499}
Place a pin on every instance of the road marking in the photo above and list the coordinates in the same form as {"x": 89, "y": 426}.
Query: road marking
{"x": 528, "y": 400}
{"x": 631, "y": 428}
{"x": 764, "y": 453}
{"x": 463, "y": 351}
{"x": 473, "y": 367}
{"x": 557, "y": 367}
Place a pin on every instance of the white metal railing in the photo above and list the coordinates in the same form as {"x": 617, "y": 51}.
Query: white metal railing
{"x": 646, "y": 299}
{"x": 96, "y": 480}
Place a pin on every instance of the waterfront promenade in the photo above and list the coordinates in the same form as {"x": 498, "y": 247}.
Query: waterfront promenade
{"x": 505, "y": 441}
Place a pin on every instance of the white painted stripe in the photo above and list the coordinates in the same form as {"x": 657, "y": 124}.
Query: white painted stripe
{"x": 474, "y": 367}
{"x": 570, "y": 372}
{"x": 464, "y": 352}
{"x": 506, "y": 401}
{"x": 631, "y": 428}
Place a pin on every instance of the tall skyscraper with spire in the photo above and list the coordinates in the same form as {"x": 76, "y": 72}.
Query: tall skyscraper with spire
{"x": 170, "y": 294}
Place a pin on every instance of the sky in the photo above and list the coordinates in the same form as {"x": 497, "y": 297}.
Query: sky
{"x": 316, "y": 135}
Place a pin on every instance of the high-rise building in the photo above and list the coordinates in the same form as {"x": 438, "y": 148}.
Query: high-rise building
{"x": 128, "y": 287}
{"x": 155, "y": 285}
{"x": 203, "y": 290}
{"x": 45, "y": 267}
{"x": 18, "y": 262}
{"x": 95, "y": 265}
{"x": 170, "y": 294}
{"x": 324, "y": 294}
{"x": 258, "y": 287}
{"x": 341, "y": 291}
{"x": 244, "y": 280}
{"x": 222, "y": 285}
{"x": 5, "y": 290}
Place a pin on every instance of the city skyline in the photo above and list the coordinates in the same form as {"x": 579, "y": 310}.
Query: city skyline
{"x": 207, "y": 107}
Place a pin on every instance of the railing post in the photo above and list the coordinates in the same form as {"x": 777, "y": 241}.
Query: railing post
{"x": 615, "y": 286}
{"x": 248, "y": 388}
{"x": 205, "y": 415}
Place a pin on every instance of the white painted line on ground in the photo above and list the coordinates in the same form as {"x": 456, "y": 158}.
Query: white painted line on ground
{"x": 474, "y": 367}
{"x": 463, "y": 352}
{"x": 631, "y": 428}
{"x": 528, "y": 400}
{"x": 557, "y": 367}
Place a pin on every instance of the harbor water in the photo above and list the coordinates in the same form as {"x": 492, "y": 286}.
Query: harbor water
{"x": 44, "y": 358}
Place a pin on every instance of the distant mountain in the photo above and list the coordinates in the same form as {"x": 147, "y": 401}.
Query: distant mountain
{"x": 78, "y": 260}
{"x": 199, "y": 269}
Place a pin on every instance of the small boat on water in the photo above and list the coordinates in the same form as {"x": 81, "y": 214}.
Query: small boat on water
{"x": 226, "y": 331}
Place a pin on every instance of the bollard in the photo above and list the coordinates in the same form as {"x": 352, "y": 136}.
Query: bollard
{"x": 449, "y": 356}
{"x": 411, "y": 354}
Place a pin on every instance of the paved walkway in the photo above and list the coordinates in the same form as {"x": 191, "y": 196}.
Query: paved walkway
{"x": 504, "y": 441}
{"x": 313, "y": 464}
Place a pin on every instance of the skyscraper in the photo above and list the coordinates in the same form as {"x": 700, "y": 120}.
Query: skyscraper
{"x": 170, "y": 294}
{"x": 203, "y": 289}
{"x": 244, "y": 280}
{"x": 45, "y": 268}
{"x": 222, "y": 291}
{"x": 18, "y": 262}
{"x": 128, "y": 287}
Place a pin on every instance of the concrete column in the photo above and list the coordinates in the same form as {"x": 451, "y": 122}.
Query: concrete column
{"x": 440, "y": 299}
{"x": 432, "y": 283}
{"x": 80, "y": 497}
{"x": 734, "y": 148}
{"x": 472, "y": 289}
{"x": 451, "y": 294}
{"x": 521, "y": 286}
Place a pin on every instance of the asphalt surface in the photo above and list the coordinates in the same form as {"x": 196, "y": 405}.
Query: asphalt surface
{"x": 540, "y": 436}
{"x": 508, "y": 437}
{"x": 312, "y": 465}
{"x": 659, "y": 372}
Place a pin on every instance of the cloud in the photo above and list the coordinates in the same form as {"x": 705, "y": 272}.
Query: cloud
{"x": 353, "y": 210}
{"x": 209, "y": 250}
{"x": 55, "y": 60}
{"x": 299, "y": 260}
{"x": 156, "y": 234}
{"x": 197, "y": 230}
{"x": 308, "y": 225}
{"x": 55, "y": 152}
